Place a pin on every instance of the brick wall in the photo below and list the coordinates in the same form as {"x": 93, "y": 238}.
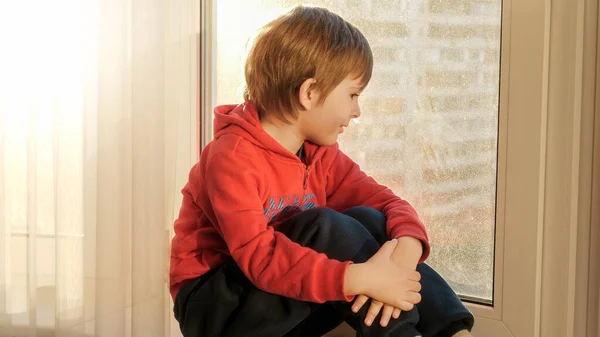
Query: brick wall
{"x": 429, "y": 125}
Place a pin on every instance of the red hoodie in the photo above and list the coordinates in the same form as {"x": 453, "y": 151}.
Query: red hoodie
{"x": 243, "y": 180}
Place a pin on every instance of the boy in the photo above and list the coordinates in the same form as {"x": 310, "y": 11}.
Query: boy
{"x": 279, "y": 230}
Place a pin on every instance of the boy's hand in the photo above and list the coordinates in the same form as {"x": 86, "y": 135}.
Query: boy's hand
{"x": 408, "y": 252}
{"x": 388, "y": 311}
{"x": 382, "y": 280}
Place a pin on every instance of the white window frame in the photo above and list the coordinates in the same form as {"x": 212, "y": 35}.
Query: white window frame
{"x": 546, "y": 255}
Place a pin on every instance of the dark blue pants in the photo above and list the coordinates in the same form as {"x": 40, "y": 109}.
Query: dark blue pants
{"x": 224, "y": 302}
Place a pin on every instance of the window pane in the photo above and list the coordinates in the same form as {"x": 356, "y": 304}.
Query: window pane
{"x": 430, "y": 114}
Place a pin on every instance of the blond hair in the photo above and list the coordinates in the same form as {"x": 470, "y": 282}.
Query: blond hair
{"x": 306, "y": 42}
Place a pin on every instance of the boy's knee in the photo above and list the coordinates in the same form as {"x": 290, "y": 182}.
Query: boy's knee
{"x": 321, "y": 215}
{"x": 327, "y": 231}
{"x": 330, "y": 220}
{"x": 344, "y": 228}
{"x": 366, "y": 212}
{"x": 324, "y": 212}
{"x": 322, "y": 220}
{"x": 373, "y": 220}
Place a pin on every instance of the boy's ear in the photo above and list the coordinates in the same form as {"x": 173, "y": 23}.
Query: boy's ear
{"x": 307, "y": 95}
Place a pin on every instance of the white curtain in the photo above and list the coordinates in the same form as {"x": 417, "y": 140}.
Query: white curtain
{"x": 98, "y": 129}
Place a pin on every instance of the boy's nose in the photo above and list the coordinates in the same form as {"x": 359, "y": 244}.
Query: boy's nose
{"x": 356, "y": 113}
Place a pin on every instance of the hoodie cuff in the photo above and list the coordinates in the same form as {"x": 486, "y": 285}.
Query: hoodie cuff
{"x": 335, "y": 282}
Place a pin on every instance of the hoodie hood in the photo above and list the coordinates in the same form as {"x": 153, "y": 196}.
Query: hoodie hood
{"x": 242, "y": 120}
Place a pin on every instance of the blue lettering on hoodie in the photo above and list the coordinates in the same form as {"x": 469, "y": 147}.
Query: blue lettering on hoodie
{"x": 276, "y": 205}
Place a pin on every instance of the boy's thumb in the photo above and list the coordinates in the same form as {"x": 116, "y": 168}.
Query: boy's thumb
{"x": 388, "y": 247}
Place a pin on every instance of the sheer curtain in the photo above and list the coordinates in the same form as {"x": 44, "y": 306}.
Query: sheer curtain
{"x": 98, "y": 129}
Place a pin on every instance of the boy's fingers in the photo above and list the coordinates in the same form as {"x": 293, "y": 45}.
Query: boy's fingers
{"x": 413, "y": 297}
{"x": 415, "y": 286}
{"x": 405, "y": 306}
{"x": 396, "y": 313}
{"x": 415, "y": 276}
{"x": 388, "y": 248}
{"x": 374, "y": 310}
{"x": 386, "y": 315}
{"x": 359, "y": 302}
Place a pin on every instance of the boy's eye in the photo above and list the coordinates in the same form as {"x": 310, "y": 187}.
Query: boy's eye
{"x": 354, "y": 95}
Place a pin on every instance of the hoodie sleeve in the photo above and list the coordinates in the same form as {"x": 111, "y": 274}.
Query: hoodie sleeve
{"x": 348, "y": 186}
{"x": 271, "y": 261}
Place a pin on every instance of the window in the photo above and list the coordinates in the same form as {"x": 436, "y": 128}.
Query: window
{"x": 429, "y": 128}
{"x": 545, "y": 116}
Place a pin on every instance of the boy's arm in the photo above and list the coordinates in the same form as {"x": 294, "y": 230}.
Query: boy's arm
{"x": 348, "y": 186}
{"x": 270, "y": 260}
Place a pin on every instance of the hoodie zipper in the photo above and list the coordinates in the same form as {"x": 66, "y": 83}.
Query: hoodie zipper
{"x": 305, "y": 183}
{"x": 304, "y": 186}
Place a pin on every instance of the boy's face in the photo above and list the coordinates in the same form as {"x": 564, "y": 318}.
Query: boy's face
{"x": 322, "y": 123}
